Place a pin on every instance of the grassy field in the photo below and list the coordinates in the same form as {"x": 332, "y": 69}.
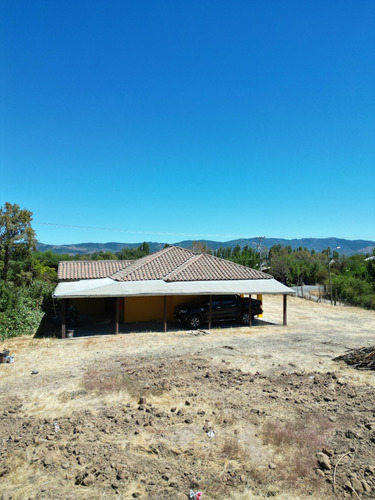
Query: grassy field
{"x": 240, "y": 413}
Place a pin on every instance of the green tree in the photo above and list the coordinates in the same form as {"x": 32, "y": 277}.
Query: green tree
{"x": 17, "y": 237}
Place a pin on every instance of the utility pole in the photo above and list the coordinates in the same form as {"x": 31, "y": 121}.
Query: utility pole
{"x": 259, "y": 248}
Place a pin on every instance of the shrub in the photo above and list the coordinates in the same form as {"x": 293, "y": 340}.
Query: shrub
{"x": 22, "y": 308}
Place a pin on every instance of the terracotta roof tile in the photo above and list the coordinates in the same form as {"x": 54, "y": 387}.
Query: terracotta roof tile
{"x": 155, "y": 266}
{"x": 89, "y": 269}
{"x": 180, "y": 264}
{"x": 204, "y": 267}
{"x": 170, "y": 264}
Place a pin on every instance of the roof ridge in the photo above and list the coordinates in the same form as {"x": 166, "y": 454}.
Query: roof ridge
{"x": 95, "y": 260}
{"x": 183, "y": 266}
{"x": 143, "y": 261}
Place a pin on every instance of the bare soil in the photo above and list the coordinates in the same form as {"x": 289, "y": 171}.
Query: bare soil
{"x": 237, "y": 414}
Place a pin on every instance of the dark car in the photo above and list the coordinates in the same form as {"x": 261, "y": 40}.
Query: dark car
{"x": 224, "y": 308}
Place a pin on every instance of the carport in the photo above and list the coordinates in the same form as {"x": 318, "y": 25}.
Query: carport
{"x": 166, "y": 277}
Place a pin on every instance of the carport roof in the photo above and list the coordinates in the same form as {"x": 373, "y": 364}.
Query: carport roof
{"x": 109, "y": 288}
{"x": 172, "y": 271}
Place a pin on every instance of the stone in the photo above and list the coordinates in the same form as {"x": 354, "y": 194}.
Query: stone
{"x": 366, "y": 487}
{"x": 357, "y": 485}
{"x": 348, "y": 486}
{"x": 323, "y": 461}
{"x": 88, "y": 480}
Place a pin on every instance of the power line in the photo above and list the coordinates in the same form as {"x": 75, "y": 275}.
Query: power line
{"x": 129, "y": 231}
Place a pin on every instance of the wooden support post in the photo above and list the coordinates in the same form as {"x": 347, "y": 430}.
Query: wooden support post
{"x": 285, "y": 310}
{"x": 210, "y": 314}
{"x": 63, "y": 319}
{"x": 250, "y": 310}
{"x": 117, "y": 321}
{"x": 165, "y": 314}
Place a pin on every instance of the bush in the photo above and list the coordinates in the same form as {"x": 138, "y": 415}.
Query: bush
{"x": 354, "y": 290}
{"x": 22, "y": 308}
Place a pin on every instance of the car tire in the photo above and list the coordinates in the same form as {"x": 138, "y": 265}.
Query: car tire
{"x": 194, "y": 321}
{"x": 244, "y": 318}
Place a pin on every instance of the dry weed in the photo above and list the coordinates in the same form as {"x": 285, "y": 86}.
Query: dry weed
{"x": 105, "y": 382}
{"x": 232, "y": 449}
{"x": 296, "y": 444}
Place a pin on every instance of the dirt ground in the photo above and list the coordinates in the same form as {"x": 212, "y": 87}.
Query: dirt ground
{"x": 236, "y": 414}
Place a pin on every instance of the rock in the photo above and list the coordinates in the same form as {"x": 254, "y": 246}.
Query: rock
{"x": 370, "y": 470}
{"x": 323, "y": 461}
{"x": 366, "y": 487}
{"x": 88, "y": 480}
{"x": 351, "y": 435}
{"x": 348, "y": 486}
{"x": 357, "y": 485}
{"x": 47, "y": 461}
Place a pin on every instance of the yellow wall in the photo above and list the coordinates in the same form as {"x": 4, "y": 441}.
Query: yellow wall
{"x": 133, "y": 308}
{"x": 152, "y": 308}
{"x": 260, "y": 297}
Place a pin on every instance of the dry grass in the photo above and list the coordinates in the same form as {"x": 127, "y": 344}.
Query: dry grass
{"x": 295, "y": 444}
{"x": 105, "y": 373}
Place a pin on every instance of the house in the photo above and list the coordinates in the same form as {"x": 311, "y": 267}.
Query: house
{"x": 149, "y": 288}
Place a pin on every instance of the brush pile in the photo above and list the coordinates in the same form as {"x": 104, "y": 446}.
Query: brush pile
{"x": 362, "y": 359}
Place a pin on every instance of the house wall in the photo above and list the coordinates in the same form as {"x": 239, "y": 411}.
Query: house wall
{"x": 151, "y": 308}
{"x": 132, "y": 309}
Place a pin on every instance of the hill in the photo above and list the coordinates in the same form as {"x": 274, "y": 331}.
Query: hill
{"x": 347, "y": 247}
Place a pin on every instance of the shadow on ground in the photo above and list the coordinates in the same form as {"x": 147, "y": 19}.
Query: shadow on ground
{"x": 51, "y": 327}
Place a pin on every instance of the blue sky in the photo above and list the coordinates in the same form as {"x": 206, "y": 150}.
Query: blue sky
{"x": 166, "y": 120}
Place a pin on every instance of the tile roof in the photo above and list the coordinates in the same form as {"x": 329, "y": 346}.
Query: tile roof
{"x": 179, "y": 264}
{"x": 89, "y": 269}
{"x": 155, "y": 266}
{"x": 172, "y": 264}
{"x": 205, "y": 267}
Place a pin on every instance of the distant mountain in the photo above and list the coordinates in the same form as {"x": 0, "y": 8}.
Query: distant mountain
{"x": 347, "y": 247}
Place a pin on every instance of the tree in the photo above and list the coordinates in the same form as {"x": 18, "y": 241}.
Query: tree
{"x": 17, "y": 237}
{"x": 200, "y": 247}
